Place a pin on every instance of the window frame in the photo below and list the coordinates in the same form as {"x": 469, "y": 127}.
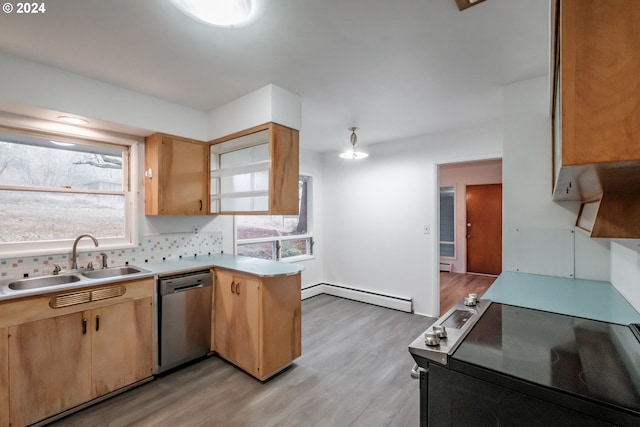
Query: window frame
{"x": 88, "y": 137}
{"x": 277, "y": 241}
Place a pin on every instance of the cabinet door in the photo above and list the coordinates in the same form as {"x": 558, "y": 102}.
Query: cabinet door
{"x": 4, "y": 377}
{"x": 177, "y": 182}
{"x": 49, "y": 367}
{"x": 237, "y": 320}
{"x": 281, "y": 322}
{"x": 600, "y": 60}
{"x": 122, "y": 349}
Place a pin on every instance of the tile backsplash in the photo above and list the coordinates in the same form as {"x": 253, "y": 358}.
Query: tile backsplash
{"x": 151, "y": 248}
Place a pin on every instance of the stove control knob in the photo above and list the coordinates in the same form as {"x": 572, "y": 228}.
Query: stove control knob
{"x": 470, "y": 301}
{"x": 431, "y": 339}
{"x": 440, "y": 331}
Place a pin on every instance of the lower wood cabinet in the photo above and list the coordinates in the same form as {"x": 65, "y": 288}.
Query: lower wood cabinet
{"x": 49, "y": 367}
{"x": 257, "y": 321}
{"x": 59, "y": 358}
{"x": 4, "y": 377}
{"x": 121, "y": 345}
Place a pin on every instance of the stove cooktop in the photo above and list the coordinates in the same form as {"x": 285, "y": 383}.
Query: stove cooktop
{"x": 588, "y": 358}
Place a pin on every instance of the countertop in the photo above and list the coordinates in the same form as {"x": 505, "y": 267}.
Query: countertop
{"x": 591, "y": 299}
{"x": 242, "y": 264}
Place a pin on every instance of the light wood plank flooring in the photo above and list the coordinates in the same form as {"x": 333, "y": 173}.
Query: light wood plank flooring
{"x": 455, "y": 286}
{"x": 354, "y": 371}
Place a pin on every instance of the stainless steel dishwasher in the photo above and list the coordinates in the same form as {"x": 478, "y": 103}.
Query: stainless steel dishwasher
{"x": 184, "y": 318}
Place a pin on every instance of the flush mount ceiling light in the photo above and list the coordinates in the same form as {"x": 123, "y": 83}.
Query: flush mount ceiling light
{"x": 73, "y": 120}
{"x": 223, "y": 13}
{"x": 463, "y": 4}
{"x": 353, "y": 154}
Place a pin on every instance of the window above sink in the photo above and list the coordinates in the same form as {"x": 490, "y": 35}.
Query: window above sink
{"x": 55, "y": 186}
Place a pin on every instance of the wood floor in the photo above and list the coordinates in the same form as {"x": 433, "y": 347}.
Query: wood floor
{"x": 354, "y": 371}
{"x": 455, "y": 286}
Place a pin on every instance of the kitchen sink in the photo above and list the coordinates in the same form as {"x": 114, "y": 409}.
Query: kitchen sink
{"x": 42, "y": 282}
{"x": 112, "y": 272}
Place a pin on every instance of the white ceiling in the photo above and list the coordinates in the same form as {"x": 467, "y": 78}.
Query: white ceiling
{"x": 394, "y": 68}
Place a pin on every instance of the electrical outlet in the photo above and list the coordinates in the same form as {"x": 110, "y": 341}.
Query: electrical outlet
{"x": 427, "y": 229}
{"x": 196, "y": 231}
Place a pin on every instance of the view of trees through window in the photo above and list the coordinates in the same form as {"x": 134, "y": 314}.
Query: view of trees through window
{"x": 277, "y": 236}
{"x": 50, "y": 191}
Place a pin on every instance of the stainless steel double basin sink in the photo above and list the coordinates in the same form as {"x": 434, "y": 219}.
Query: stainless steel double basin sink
{"x": 63, "y": 279}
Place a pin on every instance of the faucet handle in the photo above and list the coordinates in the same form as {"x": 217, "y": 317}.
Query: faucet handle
{"x": 104, "y": 260}
{"x": 56, "y": 269}
{"x": 90, "y": 265}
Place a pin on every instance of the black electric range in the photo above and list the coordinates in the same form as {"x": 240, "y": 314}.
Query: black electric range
{"x": 520, "y": 366}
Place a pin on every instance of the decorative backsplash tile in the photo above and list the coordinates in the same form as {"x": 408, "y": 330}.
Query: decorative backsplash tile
{"x": 151, "y": 248}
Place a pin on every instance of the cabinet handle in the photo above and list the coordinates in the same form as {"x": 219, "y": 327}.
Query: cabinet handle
{"x": 97, "y": 322}
{"x": 84, "y": 326}
{"x": 237, "y": 288}
{"x": 201, "y": 204}
{"x": 232, "y": 291}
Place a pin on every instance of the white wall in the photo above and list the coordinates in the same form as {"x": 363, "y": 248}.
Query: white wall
{"x": 538, "y": 232}
{"x": 625, "y": 269}
{"x": 30, "y": 84}
{"x": 459, "y": 175}
{"x": 375, "y": 210}
{"x": 267, "y": 104}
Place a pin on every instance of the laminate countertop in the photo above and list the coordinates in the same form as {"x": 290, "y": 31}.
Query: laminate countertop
{"x": 238, "y": 263}
{"x": 591, "y": 299}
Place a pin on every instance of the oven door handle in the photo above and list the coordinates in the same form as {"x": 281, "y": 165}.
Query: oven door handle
{"x": 415, "y": 371}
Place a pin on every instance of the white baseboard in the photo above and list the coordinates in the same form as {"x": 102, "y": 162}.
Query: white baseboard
{"x": 312, "y": 291}
{"x": 388, "y": 301}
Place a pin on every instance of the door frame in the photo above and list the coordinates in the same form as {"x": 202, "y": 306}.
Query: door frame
{"x": 435, "y": 261}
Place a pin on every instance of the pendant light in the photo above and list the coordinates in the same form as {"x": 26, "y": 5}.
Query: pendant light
{"x": 353, "y": 154}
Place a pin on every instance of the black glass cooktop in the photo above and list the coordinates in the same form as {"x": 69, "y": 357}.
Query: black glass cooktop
{"x": 593, "y": 359}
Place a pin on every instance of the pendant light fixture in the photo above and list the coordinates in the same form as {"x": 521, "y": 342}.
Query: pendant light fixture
{"x": 352, "y": 154}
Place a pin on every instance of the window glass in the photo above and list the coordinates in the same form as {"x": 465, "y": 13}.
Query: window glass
{"x": 52, "y": 189}
{"x": 447, "y": 222}
{"x": 277, "y": 236}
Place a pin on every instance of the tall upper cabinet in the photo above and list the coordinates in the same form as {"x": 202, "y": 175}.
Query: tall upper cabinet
{"x": 596, "y": 112}
{"x": 175, "y": 171}
{"x": 255, "y": 171}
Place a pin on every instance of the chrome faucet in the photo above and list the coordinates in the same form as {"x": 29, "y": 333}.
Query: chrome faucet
{"x": 74, "y": 259}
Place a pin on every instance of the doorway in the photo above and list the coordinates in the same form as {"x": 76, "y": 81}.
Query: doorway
{"x": 461, "y": 263}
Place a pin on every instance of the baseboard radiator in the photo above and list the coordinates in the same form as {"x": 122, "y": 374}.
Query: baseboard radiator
{"x": 388, "y": 301}
{"x": 446, "y": 267}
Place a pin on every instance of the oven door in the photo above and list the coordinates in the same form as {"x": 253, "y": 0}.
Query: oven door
{"x": 457, "y": 399}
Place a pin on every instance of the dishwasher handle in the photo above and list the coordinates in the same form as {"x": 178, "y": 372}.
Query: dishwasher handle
{"x": 185, "y": 288}
{"x": 175, "y": 284}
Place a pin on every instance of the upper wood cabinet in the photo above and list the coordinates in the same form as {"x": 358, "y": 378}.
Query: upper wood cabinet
{"x": 255, "y": 171}
{"x": 596, "y": 113}
{"x": 175, "y": 176}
